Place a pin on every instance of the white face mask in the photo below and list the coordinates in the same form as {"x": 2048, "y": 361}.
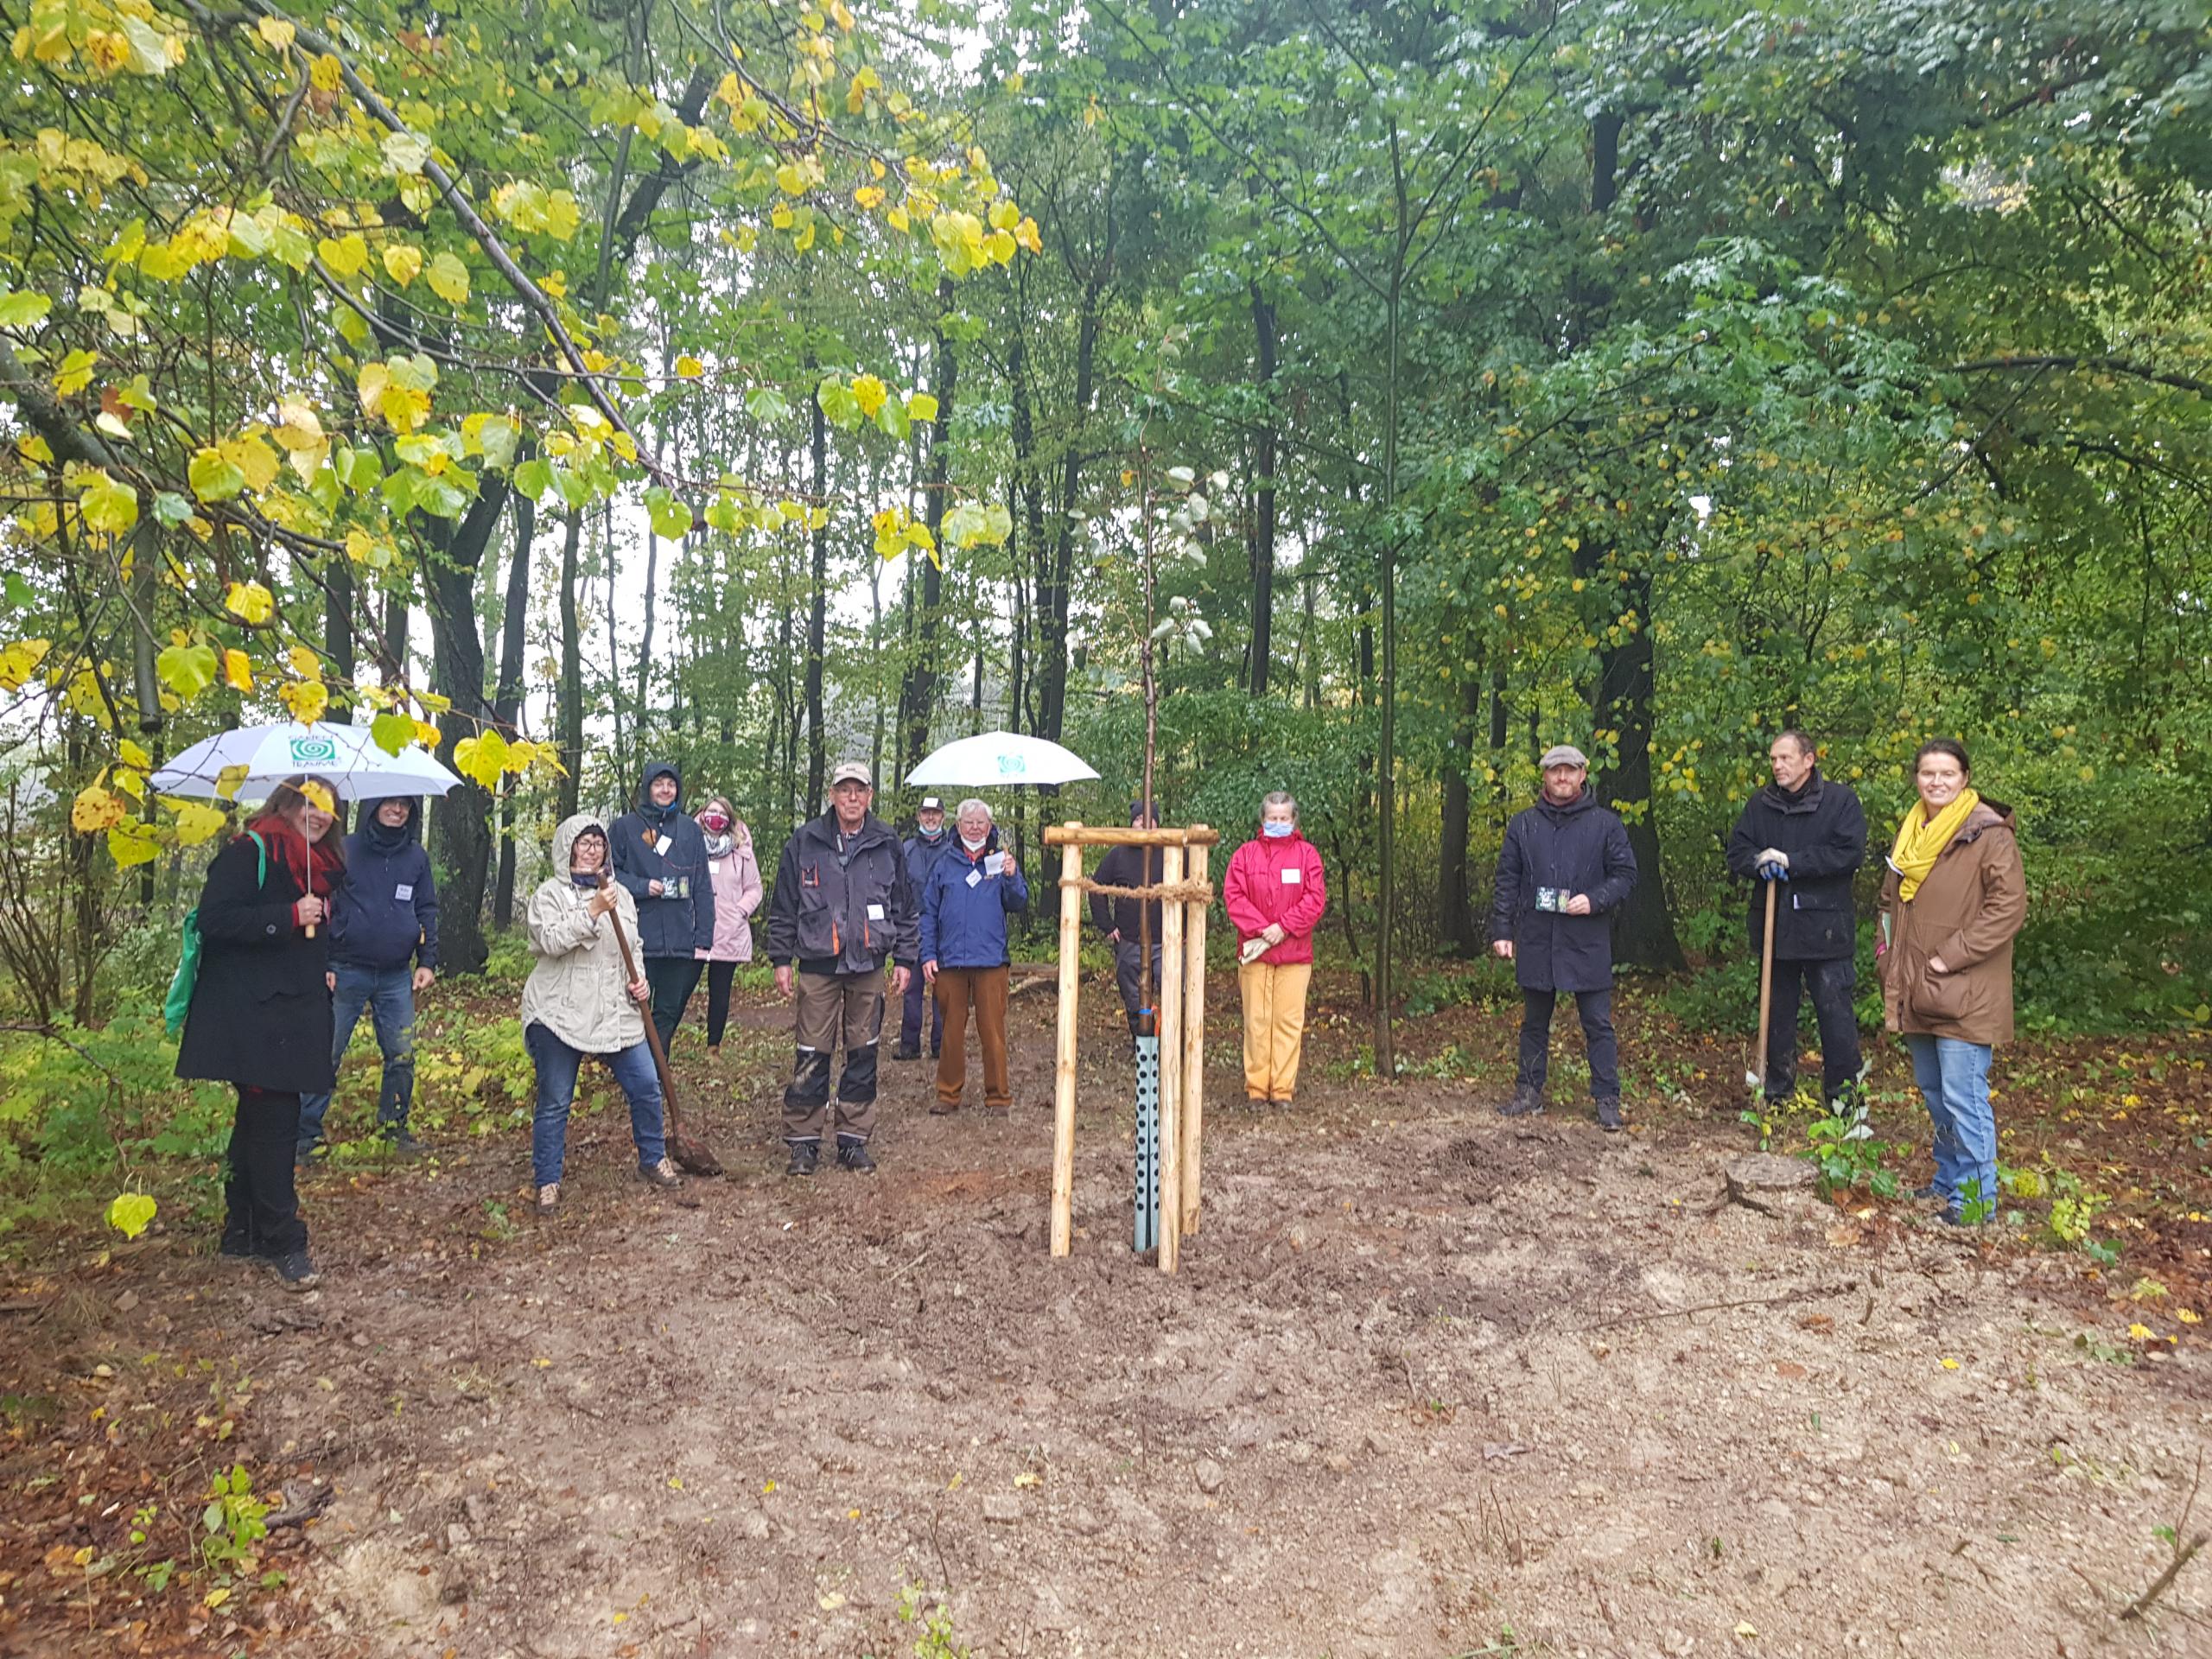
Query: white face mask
{"x": 977, "y": 844}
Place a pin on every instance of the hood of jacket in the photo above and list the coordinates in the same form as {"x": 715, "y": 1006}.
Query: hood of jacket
{"x": 1582, "y": 803}
{"x": 379, "y": 837}
{"x": 1807, "y": 799}
{"x": 654, "y": 769}
{"x": 564, "y": 838}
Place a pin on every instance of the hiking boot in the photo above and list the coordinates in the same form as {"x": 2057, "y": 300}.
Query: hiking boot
{"x": 902, "y": 1053}
{"x": 805, "y": 1155}
{"x": 296, "y": 1270}
{"x": 236, "y": 1248}
{"x": 944, "y": 1108}
{"x": 1931, "y": 1191}
{"x": 313, "y": 1155}
{"x": 400, "y": 1141}
{"x": 548, "y": 1198}
{"x": 662, "y": 1174}
{"x": 1526, "y": 1102}
{"x": 1609, "y": 1115}
{"x": 852, "y": 1153}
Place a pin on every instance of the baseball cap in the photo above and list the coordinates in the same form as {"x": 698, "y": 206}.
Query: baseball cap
{"x": 931, "y": 804}
{"x": 851, "y": 771}
{"x": 1564, "y": 755}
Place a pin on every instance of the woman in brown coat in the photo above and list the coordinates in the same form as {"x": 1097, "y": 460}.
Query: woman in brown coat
{"x": 1953, "y": 898}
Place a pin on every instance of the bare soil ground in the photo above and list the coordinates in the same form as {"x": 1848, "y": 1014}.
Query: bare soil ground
{"x": 1429, "y": 1384}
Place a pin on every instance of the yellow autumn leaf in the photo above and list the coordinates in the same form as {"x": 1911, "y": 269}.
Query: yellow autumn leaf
{"x": 131, "y": 1213}
{"x": 689, "y": 368}
{"x": 402, "y": 261}
{"x": 306, "y": 699}
{"x": 196, "y": 822}
{"x": 305, "y": 663}
{"x": 277, "y": 32}
{"x": 1950, "y": 1364}
{"x": 318, "y": 796}
{"x": 449, "y": 279}
{"x": 252, "y": 602}
{"x": 325, "y": 73}
{"x": 229, "y": 780}
{"x": 238, "y": 669}
{"x": 344, "y": 255}
{"x": 132, "y": 755}
{"x": 2141, "y": 1332}
{"x": 94, "y": 810}
{"x": 133, "y": 844}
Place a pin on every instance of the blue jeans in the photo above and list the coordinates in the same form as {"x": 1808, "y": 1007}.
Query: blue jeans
{"x": 1954, "y": 1075}
{"x": 389, "y": 996}
{"x": 557, "y": 1066}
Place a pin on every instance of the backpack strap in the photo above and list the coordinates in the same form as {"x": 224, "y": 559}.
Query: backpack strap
{"x": 262, "y": 847}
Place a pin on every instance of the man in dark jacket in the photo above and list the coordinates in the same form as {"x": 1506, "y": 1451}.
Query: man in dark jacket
{"x": 1122, "y": 920}
{"x": 1805, "y": 836}
{"x": 660, "y": 856}
{"x": 383, "y": 953}
{"x": 842, "y": 909}
{"x": 1565, "y": 868}
{"x": 922, "y": 849}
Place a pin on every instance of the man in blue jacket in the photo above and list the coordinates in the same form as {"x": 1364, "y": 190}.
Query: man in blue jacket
{"x": 383, "y": 952}
{"x": 923, "y": 848}
{"x": 964, "y": 908}
{"x": 660, "y": 856}
{"x": 1565, "y": 868}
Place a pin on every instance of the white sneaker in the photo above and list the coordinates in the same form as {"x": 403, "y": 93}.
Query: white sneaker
{"x": 662, "y": 1174}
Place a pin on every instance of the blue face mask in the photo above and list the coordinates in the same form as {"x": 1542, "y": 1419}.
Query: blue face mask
{"x": 1276, "y": 830}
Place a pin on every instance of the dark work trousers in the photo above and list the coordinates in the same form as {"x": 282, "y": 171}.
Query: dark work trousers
{"x": 719, "y": 977}
{"x": 1834, "y": 984}
{"x": 1129, "y": 955}
{"x": 910, "y": 1021}
{"x": 835, "y": 1012}
{"x": 261, "y": 1203}
{"x": 1596, "y": 1008}
{"x": 673, "y": 980}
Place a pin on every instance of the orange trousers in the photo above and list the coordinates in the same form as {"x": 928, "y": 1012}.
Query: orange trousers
{"x": 984, "y": 988}
{"x": 1274, "y": 1026}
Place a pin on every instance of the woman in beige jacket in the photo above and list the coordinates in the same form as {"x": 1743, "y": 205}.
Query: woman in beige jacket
{"x": 576, "y": 1002}
{"x": 1954, "y": 897}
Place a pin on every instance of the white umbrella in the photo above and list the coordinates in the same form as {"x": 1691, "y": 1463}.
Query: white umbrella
{"x": 999, "y": 760}
{"x": 345, "y": 754}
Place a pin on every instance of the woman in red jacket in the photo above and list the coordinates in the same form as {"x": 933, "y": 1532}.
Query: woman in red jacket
{"x": 1274, "y": 893}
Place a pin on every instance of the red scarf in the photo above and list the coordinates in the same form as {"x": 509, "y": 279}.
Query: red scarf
{"x": 313, "y": 869}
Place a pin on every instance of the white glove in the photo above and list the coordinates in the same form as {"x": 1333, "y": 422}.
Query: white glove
{"x": 1774, "y": 856}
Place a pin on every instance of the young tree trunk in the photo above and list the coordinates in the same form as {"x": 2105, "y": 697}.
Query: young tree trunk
{"x": 568, "y": 718}
{"x": 506, "y": 701}
{"x": 918, "y": 697}
{"x": 818, "y": 603}
{"x": 1056, "y": 573}
{"x": 1454, "y": 887}
{"x": 1262, "y": 541}
{"x": 338, "y": 632}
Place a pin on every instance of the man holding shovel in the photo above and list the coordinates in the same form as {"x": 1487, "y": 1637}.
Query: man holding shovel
{"x": 1799, "y": 843}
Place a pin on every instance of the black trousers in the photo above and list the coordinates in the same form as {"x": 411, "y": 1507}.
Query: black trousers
{"x": 1129, "y": 965}
{"x": 1596, "y": 1008}
{"x": 673, "y": 980}
{"x": 261, "y": 1200}
{"x": 719, "y": 976}
{"x": 1834, "y": 985}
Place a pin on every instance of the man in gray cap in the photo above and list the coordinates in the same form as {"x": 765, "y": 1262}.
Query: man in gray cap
{"x": 922, "y": 849}
{"x": 1565, "y": 868}
{"x": 843, "y": 909}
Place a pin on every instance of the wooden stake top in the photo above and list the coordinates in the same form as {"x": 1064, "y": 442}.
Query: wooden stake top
{"x": 1076, "y": 834}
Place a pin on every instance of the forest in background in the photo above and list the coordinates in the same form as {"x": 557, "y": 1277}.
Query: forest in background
{"x": 1649, "y": 376}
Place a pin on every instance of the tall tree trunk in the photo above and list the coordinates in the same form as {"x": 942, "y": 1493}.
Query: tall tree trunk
{"x": 506, "y": 701}
{"x": 1262, "y": 543}
{"x": 391, "y": 649}
{"x": 338, "y": 631}
{"x": 817, "y": 602}
{"x": 461, "y": 828}
{"x": 918, "y": 698}
{"x": 568, "y": 718}
{"x": 1056, "y": 574}
{"x": 1454, "y": 889}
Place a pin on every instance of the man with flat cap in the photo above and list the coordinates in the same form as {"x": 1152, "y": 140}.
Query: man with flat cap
{"x": 1565, "y": 868}
{"x": 1122, "y": 920}
{"x": 844, "y": 911}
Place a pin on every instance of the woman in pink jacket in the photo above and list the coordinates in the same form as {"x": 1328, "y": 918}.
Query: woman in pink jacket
{"x": 736, "y": 877}
{"x": 1274, "y": 892}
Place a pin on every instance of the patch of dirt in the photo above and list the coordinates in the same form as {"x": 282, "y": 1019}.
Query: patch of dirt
{"x": 1429, "y": 1382}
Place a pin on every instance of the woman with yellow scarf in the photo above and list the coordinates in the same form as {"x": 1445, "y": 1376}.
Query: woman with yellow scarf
{"x": 1955, "y": 896}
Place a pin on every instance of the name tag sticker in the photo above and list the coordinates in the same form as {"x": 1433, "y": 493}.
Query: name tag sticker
{"x": 661, "y": 846}
{"x": 875, "y": 912}
{"x": 975, "y": 878}
{"x": 994, "y": 863}
{"x": 1292, "y": 875}
{"x": 404, "y": 893}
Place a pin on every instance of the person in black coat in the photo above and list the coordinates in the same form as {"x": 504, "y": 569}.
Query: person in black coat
{"x": 1126, "y": 921}
{"x": 1565, "y": 868}
{"x": 260, "y": 1016}
{"x": 1808, "y": 834}
{"x": 384, "y": 954}
{"x": 660, "y": 856}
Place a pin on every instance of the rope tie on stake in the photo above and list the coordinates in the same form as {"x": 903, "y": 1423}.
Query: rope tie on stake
{"x": 1195, "y": 892}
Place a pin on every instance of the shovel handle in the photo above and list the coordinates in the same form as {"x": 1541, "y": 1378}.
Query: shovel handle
{"x": 1766, "y": 983}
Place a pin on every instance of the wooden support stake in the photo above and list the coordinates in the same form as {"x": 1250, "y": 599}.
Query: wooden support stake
{"x": 1170, "y": 1068}
{"x": 1193, "y": 1097}
{"x": 1075, "y": 834}
{"x": 1064, "y": 1065}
